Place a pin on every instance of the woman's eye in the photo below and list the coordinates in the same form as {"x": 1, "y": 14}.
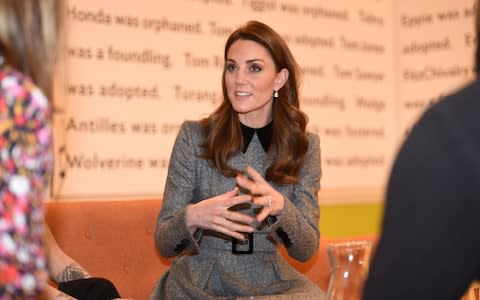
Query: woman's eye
{"x": 255, "y": 68}
{"x": 230, "y": 67}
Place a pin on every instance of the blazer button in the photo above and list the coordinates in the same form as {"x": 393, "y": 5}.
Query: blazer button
{"x": 181, "y": 246}
{"x": 284, "y": 236}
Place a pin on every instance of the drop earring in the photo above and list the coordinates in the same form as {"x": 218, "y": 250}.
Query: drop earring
{"x": 275, "y": 94}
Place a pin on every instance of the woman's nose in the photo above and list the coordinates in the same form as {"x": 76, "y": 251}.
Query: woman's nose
{"x": 240, "y": 76}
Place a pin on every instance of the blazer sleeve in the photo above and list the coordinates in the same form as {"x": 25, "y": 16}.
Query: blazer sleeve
{"x": 297, "y": 227}
{"x": 171, "y": 235}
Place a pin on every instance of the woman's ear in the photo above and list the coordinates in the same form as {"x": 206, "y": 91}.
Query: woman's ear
{"x": 281, "y": 78}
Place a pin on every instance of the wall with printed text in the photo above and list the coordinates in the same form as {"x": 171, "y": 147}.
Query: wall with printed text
{"x": 135, "y": 70}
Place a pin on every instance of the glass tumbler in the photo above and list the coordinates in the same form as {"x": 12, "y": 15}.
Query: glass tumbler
{"x": 349, "y": 263}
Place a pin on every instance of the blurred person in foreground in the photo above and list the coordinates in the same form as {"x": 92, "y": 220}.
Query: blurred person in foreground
{"x": 429, "y": 246}
{"x": 30, "y": 35}
{"x": 29, "y": 32}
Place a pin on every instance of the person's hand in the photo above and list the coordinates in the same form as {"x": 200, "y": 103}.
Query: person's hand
{"x": 214, "y": 214}
{"x": 263, "y": 194}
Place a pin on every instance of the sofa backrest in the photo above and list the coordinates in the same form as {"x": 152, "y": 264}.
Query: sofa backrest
{"x": 111, "y": 239}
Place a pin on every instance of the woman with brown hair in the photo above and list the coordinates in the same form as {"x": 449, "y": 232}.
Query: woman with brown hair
{"x": 29, "y": 39}
{"x": 243, "y": 182}
{"x": 28, "y": 44}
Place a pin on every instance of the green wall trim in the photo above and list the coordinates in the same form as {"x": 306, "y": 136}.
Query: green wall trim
{"x": 346, "y": 220}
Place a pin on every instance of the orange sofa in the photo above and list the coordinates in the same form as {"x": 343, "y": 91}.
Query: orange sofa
{"x": 114, "y": 239}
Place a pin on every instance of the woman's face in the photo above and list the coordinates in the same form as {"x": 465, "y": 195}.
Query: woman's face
{"x": 250, "y": 79}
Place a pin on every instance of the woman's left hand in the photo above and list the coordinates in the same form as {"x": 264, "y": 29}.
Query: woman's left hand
{"x": 262, "y": 194}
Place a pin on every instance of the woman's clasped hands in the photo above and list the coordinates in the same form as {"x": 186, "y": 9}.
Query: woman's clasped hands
{"x": 215, "y": 213}
{"x": 263, "y": 194}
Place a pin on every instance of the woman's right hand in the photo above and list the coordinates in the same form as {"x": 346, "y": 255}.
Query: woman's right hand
{"x": 214, "y": 214}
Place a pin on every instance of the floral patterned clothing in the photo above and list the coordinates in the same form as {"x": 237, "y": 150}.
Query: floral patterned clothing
{"x": 26, "y": 162}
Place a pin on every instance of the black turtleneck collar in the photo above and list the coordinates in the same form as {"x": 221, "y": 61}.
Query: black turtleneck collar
{"x": 264, "y": 134}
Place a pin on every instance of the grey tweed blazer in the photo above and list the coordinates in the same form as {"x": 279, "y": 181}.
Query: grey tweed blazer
{"x": 205, "y": 267}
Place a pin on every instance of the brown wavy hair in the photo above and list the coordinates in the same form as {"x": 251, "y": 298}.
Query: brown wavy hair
{"x": 223, "y": 134}
{"x": 30, "y": 38}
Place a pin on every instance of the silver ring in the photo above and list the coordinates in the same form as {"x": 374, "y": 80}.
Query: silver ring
{"x": 269, "y": 201}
